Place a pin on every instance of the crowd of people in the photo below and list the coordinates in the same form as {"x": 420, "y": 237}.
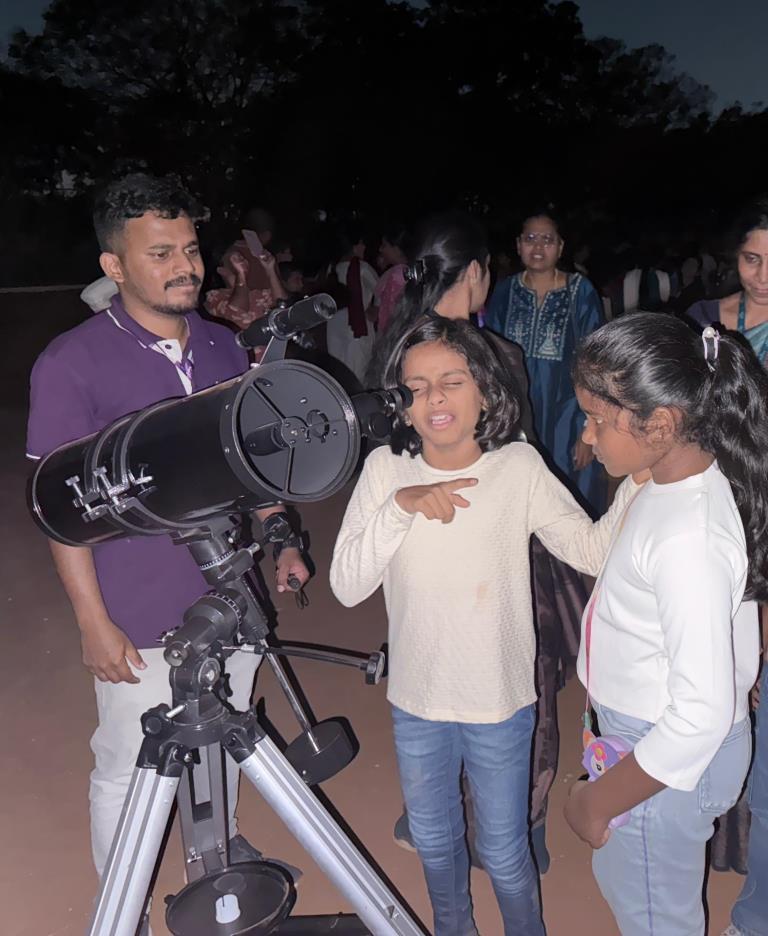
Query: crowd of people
{"x": 489, "y": 514}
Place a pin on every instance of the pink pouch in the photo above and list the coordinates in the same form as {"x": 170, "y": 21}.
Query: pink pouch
{"x": 601, "y": 752}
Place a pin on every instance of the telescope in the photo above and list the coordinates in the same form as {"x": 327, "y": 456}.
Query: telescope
{"x": 285, "y": 431}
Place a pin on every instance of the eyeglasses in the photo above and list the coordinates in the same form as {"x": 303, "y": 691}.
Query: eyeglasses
{"x": 533, "y": 237}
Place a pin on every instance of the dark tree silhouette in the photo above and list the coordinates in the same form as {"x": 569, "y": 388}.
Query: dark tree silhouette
{"x": 371, "y": 109}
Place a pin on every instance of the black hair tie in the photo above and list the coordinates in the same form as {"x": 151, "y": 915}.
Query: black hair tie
{"x": 415, "y": 272}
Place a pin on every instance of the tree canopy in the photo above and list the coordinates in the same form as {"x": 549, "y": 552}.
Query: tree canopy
{"x": 376, "y": 108}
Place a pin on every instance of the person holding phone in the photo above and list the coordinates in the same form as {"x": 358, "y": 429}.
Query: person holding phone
{"x": 252, "y": 283}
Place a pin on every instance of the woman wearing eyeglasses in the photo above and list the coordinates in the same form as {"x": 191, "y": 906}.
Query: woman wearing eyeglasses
{"x": 547, "y": 312}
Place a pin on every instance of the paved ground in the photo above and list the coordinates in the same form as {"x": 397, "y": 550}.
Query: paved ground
{"x": 46, "y": 880}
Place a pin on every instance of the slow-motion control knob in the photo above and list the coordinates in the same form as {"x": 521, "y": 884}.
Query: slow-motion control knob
{"x": 375, "y": 668}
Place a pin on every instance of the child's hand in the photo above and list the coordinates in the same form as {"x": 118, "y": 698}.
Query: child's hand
{"x": 590, "y": 829}
{"x": 436, "y": 501}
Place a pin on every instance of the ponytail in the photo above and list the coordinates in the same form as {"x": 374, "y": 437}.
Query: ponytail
{"x": 736, "y": 433}
{"x": 449, "y": 243}
{"x": 644, "y": 360}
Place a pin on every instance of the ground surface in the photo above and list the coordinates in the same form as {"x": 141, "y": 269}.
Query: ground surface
{"x": 46, "y": 879}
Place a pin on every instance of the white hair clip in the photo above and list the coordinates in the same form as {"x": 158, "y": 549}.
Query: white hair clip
{"x": 710, "y": 338}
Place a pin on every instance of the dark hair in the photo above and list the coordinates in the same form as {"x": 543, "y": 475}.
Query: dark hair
{"x": 400, "y": 237}
{"x": 643, "y": 361}
{"x": 498, "y": 422}
{"x": 289, "y": 267}
{"x": 546, "y": 213}
{"x": 350, "y": 235}
{"x": 259, "y": 220}
{"x": 136, "y": 194}
{"x": 753, "y": 218}
{"x": 447, "y": 246}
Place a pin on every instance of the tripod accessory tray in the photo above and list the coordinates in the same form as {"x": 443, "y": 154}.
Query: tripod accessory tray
{"x": 264, "y": 891}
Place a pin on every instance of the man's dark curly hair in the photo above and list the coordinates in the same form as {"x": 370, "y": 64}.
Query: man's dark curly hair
{"x": 133, "y": 196}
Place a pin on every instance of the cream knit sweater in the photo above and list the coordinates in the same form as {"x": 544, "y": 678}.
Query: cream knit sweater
{"x": 458, "y": 595}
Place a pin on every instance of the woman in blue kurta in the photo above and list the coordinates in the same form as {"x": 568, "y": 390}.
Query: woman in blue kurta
{"x": 547, "y": 312}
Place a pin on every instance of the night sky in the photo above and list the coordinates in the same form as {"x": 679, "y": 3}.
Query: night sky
{"x": 26, "y": 14}
{"x": 720, "y": 44}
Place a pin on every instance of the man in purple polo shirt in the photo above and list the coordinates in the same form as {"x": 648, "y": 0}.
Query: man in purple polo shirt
{"x": 149, "y": 345}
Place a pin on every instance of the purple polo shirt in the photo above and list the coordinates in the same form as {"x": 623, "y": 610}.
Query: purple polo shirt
{"x": 85, "y": 379}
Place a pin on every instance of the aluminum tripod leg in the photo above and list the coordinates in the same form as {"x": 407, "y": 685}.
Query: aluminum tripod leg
{"x": 323, "y": 839}
{"x": 135, "y": 849}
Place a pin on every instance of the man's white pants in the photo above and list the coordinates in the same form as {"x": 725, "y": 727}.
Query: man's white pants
{"x": 117, "y": 739}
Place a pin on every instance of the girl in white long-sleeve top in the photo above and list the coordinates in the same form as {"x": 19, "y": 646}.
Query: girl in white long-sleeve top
{"x": 442, "y": 520}
{"x": 669, "y": 644}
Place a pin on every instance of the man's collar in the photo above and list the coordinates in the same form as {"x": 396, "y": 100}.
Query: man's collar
{"x": 146, "y": 338}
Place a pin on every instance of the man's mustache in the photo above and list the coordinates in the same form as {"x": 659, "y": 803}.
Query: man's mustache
{"x": 192, "y": 280}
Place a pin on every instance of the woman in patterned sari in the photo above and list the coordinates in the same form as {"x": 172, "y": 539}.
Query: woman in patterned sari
{"x": 547, "y": 312}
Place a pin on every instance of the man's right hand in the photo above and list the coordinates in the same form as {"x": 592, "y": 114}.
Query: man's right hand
{"x": 107, "y": 652}
{"x": 106, "y": 649}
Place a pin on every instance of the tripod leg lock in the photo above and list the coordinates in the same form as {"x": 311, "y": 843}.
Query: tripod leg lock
{"x": 241, "y": 734}
{"x": 161, "y": 750}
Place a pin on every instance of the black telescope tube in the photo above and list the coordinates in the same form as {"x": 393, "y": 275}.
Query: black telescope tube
{"x": 284, "y": 323}
{"x": 284, "y": 431}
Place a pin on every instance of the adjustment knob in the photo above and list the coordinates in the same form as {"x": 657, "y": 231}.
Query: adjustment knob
{"x": 375, "y": 668}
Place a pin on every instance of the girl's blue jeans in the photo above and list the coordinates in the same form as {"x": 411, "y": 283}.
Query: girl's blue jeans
{"x": 497, "y": 761}
{"x": 750, "y": 912}
{"x": 651, "y": 871}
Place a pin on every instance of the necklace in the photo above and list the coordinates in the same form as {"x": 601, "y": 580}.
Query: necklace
{"x": 556, "y": 274}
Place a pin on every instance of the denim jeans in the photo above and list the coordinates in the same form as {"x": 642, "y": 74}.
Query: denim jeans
{"x": 651, "y": 871}
{"x": 497, "y": 761}
{"x": 750, "y": 912}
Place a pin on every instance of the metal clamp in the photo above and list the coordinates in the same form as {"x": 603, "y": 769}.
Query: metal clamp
{"x": 85, "y": 499}
{"x": 142, "y": 478}
{"x": 110, "y": 491}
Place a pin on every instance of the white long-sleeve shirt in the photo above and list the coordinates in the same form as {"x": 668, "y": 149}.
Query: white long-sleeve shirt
{"x": 458, "y": 595}
{"x": 672, "y": 643}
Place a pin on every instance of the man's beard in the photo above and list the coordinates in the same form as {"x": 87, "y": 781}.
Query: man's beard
{"x": 180, "y": 311}
{"x": 174, "y": 311}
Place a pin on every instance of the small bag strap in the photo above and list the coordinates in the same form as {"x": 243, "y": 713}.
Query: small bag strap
{"x": 587, "y": 720}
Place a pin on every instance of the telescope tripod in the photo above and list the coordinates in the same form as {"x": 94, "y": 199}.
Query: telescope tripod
{"x": 253, "y": 897}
